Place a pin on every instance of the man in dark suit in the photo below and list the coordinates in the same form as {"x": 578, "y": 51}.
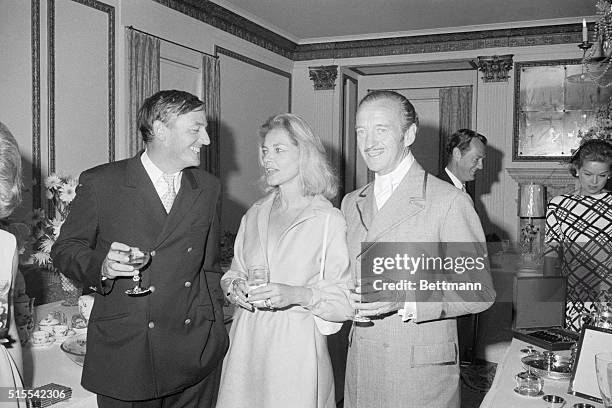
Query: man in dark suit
{"x": 163, "y": 348}
{"x": 465, "y": 152}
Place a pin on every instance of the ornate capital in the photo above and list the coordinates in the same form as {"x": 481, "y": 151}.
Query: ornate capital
{"x": 324, "y": 77}
{"x": 495, "y": 67}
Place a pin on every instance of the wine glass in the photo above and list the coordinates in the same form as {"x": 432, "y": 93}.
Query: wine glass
{"x": 258, "y": 276}
{"x": 138, "y": 258}
{"x": 603, "y": 367}
{"x": 357, "y": 317}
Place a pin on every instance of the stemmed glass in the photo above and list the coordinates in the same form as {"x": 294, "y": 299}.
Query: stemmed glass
{"x": 603, "y": 368}
{"x": 138, "y": 258}
{"x": 358, "y": 317}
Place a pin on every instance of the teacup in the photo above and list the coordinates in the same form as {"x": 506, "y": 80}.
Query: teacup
{"x": 48, "y": 329}
{"x": 40, "y": 337}
{"x": 60, "y": 329}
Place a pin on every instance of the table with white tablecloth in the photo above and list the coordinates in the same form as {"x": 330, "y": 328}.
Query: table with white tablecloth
{"x": 502, "y": 392}
{"x": 50, "y": 364}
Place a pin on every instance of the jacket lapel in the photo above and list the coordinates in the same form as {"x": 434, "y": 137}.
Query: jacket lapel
{"x": 406, "y": 201}
{"x": 366, "y": 205}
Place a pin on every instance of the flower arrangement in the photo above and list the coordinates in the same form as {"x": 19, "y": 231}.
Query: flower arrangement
{"x": 61, "y": 190}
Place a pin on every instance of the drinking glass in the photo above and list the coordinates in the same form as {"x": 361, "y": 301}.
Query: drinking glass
{"x": 138, "y": 258}
{"x": 603, "y": 367}
{"x": 257, "y": 276}
{"x": 357, "y": 317}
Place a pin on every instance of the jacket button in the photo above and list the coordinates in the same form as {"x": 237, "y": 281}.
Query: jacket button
{"x": 187, "y": 284}
{"x": 153, "y": 253}
{"x": 189, "y": 249}
{"x": 151, "y": 325}
{"x": 152, "y": 288}
{"x": 187, "y": 322}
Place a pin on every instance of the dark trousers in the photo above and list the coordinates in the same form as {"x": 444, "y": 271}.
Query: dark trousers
{"x": 202, "y": 394}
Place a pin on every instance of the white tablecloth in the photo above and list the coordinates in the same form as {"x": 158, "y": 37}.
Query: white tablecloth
{"x": 50, "y": 365}
{"x": 502, "y": 392}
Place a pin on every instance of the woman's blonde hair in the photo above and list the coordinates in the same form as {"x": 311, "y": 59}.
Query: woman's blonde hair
{"x": 315, "y": 172}
{"x": 10, "y": 172}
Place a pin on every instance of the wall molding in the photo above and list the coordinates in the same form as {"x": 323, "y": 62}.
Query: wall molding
{"x": 323, "y": 77}
{"x": 36, "y": 161}
{"x": 110, "y": 10}
{"x": 258, "y": 64}
{"x": 230, "y": 22}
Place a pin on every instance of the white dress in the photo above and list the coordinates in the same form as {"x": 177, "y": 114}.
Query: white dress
{"x": 9, "y": 375}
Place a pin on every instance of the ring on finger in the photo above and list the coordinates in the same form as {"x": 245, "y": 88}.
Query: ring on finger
{"x": 269, "y": 303}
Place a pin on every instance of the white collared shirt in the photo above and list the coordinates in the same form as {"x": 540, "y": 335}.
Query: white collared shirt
{"x": 381, "y": 183}
{"x": 382, "y": 194}
{"x": 455, "y": 180}
{"x": 155, "y": 174}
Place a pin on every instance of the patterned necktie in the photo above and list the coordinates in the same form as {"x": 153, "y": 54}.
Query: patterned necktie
{"x": 170, "y": 194}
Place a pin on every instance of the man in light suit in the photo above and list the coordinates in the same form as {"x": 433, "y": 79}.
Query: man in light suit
{"x": 465, "y": 151}
{"x": 408, "y": 356}
{"x": 164, "y": 348}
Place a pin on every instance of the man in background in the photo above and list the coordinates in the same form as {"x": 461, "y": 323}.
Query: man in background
{"x": 465, "y": 151}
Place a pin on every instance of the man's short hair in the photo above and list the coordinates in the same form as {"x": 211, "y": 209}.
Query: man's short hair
{"x": 409, "y": 115}
{"x": 163, "y": 106}
{"x": 461, "y": 139}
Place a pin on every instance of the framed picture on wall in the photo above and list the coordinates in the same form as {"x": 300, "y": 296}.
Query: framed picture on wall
{"x": 553, "y": 101}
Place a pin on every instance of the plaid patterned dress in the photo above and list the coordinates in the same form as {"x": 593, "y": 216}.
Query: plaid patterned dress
{"x": 578, "y": 232}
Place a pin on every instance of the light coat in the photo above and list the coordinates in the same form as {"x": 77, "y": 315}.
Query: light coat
{"x": 397, "y": 364}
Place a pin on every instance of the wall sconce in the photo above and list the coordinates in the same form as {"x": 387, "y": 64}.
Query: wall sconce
{"x": 532, "y": 223}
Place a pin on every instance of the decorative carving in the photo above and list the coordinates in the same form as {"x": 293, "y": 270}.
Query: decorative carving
{"x": 495, "y": 68}
{"x": 324, "y": 77}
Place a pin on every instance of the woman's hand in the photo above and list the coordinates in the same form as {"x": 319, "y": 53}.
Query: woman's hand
{"x": 236, "y": 293}
{"x": 278, "y": 295}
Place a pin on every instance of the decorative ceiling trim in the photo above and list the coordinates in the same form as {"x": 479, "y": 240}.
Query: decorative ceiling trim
{"x": 228, "y": 21}
{"x": 516, "y": 37}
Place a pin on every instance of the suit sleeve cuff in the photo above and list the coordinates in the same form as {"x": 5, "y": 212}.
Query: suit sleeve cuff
{"x": 409, "y": 312}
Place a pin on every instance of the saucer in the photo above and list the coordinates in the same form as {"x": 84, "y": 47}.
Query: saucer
{"x": 539, "y": 394}
{"x": 43, "y": 345}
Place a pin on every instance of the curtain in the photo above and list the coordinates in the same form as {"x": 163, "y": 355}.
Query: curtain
{"x": 143, "y": 60}
{"x": 211, "y": 98}
{"x": 455, "y": 114}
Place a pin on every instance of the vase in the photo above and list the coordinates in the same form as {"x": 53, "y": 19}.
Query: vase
{"x": 71, "y": 289}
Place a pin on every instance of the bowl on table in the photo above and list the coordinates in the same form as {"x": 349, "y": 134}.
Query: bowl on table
{"x": 75, "y": 348}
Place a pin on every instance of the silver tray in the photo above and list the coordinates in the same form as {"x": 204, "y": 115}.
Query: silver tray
{"x": 536, "y": 363}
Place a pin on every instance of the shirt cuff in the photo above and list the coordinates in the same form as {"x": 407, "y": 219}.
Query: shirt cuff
{"x": 409, "y": 312}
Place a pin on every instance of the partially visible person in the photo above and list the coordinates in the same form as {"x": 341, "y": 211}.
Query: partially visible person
{"x": 164, "y": 348}
{"x": 465, "y": 151}
{"x": 577, "y": 241}
{"x": 278, "y": 354}
{"x": 10, "y": 197}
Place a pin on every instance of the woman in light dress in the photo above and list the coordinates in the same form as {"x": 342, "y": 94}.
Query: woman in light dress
{"x": 578, "y": 230}
{"x": 278, "y": 354}
{"x": 10, "y": 197}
